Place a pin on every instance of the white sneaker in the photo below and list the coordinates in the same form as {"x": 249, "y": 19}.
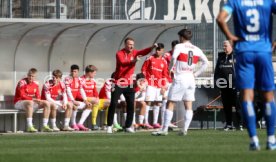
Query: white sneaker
{"x": 130, "y": 130}
{"x": 159, "y": 133}
{"x": 56, "y": 129}
{"x": 173, "y": 126}
{"x": 109, "y": 130}
{"x": 67, "y": 128}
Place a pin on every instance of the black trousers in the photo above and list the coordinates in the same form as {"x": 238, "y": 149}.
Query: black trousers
{"x": 129, "y": 95}
{"x": 230, "y": 98}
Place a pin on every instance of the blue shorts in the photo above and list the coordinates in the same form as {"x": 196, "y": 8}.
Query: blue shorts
{"x": 254, "y": 70}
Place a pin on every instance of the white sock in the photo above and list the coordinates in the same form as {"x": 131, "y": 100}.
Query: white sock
{"x": 125, "y": 116}
{"x": 53, "y": 122}
{"x": 66, "y": 122}
{"x": 168, "y": 119}
{"x": 73, "y": 117}
{"x": 45, "y": 122}
{"x": 271, "y": 139}
{"x": 84, "y": 116}
{"x": 115, "y": 121}
{"x": 188, "y": 116}
{"x": 134, "y": 118}
{"x": 254, "y": 139}
{"x": 29, "y": 122}
{"x": 147, "y": 115}
{"x": 155, "y": 114}
{"x": 141, "y": 119}
{"x": 163, "y": 109}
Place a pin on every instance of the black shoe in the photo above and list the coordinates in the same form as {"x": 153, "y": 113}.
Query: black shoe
{"x": 95, "y": 127}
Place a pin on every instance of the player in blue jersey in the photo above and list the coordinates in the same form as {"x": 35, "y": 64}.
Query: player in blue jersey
{"x": 252, "y": 39}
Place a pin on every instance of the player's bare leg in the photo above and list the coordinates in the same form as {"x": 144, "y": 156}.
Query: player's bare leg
{"x": 53, "y": 115}
{"x": 28, "y": 105}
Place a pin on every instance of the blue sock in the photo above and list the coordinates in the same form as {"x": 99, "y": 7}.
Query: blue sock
{"x": 249, "y": 117}
{"x": 270, "y": 113}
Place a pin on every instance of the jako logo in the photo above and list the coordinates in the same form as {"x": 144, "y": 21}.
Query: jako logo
{"x": 133, "y": 9}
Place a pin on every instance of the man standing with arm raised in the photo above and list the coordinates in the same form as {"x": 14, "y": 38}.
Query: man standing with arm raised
{"x": 126, "y": 60}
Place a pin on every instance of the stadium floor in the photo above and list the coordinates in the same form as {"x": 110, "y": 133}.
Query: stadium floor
{"x": 198, "y": 145}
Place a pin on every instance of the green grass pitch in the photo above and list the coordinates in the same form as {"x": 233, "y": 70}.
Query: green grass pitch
{"x": 198, "y": 145}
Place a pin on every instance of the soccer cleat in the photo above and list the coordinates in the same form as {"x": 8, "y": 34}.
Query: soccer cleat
{"x": 75, "y": 127}
{"x": 55, "y": 129}
{"x": 109, "y": 130}
{"x": 182, "y": 133}
{"x": 31, "y": 129}
{"x": 148, "y": 126}
{"x": 173, "y": 126}
{"x": 104, "y": 127}
{"x": 240, "y": 128}
{"x": 271, "y": 146}
{"x": 117, "y": 126}
{"x": 156, "y": 126}
{"x": 159, "y": 133}
{"x": 228, "y": 128}
{"x": 67, "y": 128}
{"x": 254, "y": 146}
{"x": 130, "y": 130}
{"x": 82, "y": 127}
{"x": 95, "y": 127}
{"x": 46, "y": 129}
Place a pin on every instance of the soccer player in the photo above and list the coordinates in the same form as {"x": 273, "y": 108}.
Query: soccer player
{"x": 140, "y": 96}
{"x": 27, "y": 98}
{"x": 55, "y": 93}
{"x": 126, "y": 59}
{"x": 90, "y": 89}
{"x": 253, "y": 28}
{"x": 168, "y": 57}
{"x": 155, "y": 69}
{"x": 74, "y": 86}
{"x": 184, "y": 59}
{"x": 105, "y": 97}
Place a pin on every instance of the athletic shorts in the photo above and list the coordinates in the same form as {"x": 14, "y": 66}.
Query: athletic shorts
{"x": 81, "y": 106}
{"x": 254, "y": 70}
{"x": 58, "y": 106}
{"x": 19, "y": 105}
{"x": 182, "y": 90}
{"x": 153, "y": 94}
{"x": 101, "y": 104}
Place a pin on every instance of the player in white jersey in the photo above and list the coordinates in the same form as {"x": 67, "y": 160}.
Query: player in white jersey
{"x": 185, "y": 57}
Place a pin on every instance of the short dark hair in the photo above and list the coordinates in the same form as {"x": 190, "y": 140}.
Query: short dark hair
{"x": 112, "y": 75}
{"x": 75, "y": 67}
{"x": 174, "y": 43}
{"x": 140, "y": 76}
{"x": 32, "y": 71}
{"x": 90, "y": 68}
{"x": 160, "y": 46}
{"x": 128, "y": 38}
{"x": 186, "y": 34}
{"x": 57, "y": 73}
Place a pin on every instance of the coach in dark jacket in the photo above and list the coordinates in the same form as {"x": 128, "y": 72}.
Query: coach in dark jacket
{"x": 224, "y": 80}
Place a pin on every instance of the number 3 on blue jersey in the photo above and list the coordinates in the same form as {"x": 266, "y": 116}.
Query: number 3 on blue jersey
{"x": 254, "y": 20}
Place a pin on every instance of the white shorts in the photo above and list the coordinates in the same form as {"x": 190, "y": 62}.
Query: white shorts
{"x": 19, "y": 105}
{"x": 182, "y": 91}
{"x": 153, "y": 94}
{"x": 81, "y": 106}
{"x": 58, "y": 107}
